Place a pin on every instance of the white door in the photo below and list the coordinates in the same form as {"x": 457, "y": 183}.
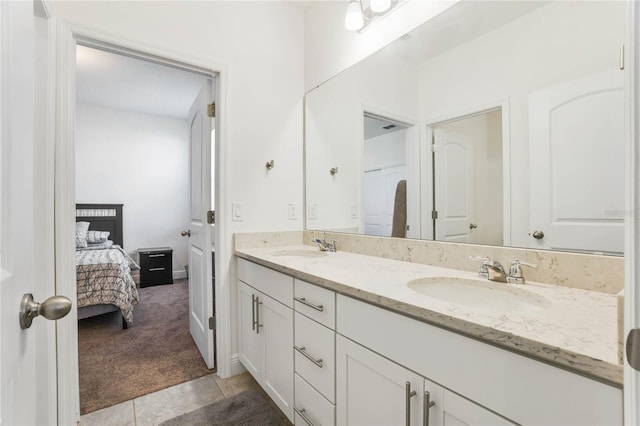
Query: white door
{"x": 27, "y": 373}
{"x": 379, "y": 199}
{"x": 250, "y": 342}
{"x": 275, "y": 321}
{"x": 200, "y": 276}
{"x": 371, "y": 390}
{"x": 453, "y": 185}
{"x": 576, "y": 168}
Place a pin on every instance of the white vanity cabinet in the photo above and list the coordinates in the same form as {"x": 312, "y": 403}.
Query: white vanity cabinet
{"x": 266, "y": 330}
{"x": 314, "y": 346}
{"x": 374, "y": 390}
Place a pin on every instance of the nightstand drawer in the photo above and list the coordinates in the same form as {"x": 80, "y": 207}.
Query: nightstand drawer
{"x": 156, "y": 266}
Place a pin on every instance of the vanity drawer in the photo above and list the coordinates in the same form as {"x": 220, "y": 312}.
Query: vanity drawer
{"x": 313, "y": 406}
{"x": 272, "y": 283}
{"x": 315, "y": 302}
{"x": 318, "y": 365}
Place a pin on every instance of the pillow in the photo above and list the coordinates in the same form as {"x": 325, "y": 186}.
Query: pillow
{"x": 97, "y": 237}
{"x": 81, "y": 234}
{"x": 105, "y": 245}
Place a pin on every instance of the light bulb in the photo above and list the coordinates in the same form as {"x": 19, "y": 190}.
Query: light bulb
{"x": 379, "y": 6}
{"x": 353, "y": 20}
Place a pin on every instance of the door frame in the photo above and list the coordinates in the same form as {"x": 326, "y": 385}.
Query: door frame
{"x": 426, "y": 186}
{"x": 67, "y": 37}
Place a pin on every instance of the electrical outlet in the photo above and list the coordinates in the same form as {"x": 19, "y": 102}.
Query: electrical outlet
{"x": 354, "y": 212}
{"x": 293, "y": 211}
{"x": 312, "y": 212}
{"x": 237, "y": 212}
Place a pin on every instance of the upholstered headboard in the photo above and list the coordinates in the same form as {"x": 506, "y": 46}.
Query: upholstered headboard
{"x": 102, "y": 217}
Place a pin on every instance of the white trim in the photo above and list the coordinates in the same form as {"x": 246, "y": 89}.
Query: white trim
{"x": 179, "y": 274}
{"x": 503, "y": 105}
{"x": 632, "y": 222}
{"x": 236, "y": 365}
{"x": 68, "y": 35}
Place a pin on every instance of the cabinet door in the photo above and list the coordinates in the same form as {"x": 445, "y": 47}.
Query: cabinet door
{"x": 459, "y": 411}
{"x": 250, "y": 343}
{"x": 371, "y": 390}
{"x": 277, "y": 331}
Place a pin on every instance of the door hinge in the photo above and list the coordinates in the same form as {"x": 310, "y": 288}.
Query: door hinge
{"x": 211, "y": 216}
{"x": 434, "y": 214}
{"x": 434, "y": 147}
{"x": 622, "y": 57}
{"x": 633, "y": 348}
{"x": 211, "y": 110}
{"x": 212, "y": 323}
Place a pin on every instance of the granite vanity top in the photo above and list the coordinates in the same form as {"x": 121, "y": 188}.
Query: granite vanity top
{"x": 578, "y": 331}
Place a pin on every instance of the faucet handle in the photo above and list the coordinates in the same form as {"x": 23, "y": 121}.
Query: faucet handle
{"x": 484, "y": 272}
{"x": 515, "y": 271}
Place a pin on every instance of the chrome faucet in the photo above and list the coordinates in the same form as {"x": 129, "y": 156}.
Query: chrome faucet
{"x": 494, "y": 271}
{"x": 331, "y": 246}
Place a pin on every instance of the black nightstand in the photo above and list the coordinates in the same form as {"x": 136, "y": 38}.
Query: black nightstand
{"x": 156, "y": 266}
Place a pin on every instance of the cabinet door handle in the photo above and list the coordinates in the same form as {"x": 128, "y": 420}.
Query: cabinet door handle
{"x": 408, "y": 395}
{"x": 428, "y": 403}
{"x": 301, "y": 414}
{"x": 253, "y": 312}
{"x": 302, "y": 350}
{"x": 156, "y": 269}
{"x": 157, "y": 255}
{"x": 309, "y": 304}
{"x": 258, "y": 325}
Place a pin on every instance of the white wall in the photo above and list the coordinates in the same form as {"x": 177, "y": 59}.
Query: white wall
{"x": 141, "y": 161}
{"x": 385, "y": 150}
{"x": 260, "y": 44}
{"x": 330, "y": 48}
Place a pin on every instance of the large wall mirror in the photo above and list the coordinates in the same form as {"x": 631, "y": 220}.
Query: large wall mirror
{"x": 496, "y": 123}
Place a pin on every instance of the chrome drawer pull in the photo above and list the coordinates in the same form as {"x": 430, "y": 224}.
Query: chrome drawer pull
{"x": 428, "y": 403}
{"x": 408, "y": 395}
{"x": 156, "y": 269}
{"x": 301, "y": 414}
{"x": 258, "y": 325}
{"x": 301, "y": 349}
{"x": 311, "y": 305}
{"x": 157, "y": 255}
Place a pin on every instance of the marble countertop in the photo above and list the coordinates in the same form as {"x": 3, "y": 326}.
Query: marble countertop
{"x": 577, "y": 330}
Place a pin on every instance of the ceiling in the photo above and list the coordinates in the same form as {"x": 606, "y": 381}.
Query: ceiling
{"x": 375, "y": 126}
{"x": 117, "y": 81}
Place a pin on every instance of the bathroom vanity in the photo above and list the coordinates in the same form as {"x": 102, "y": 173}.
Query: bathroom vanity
{"x": 341, "y": 338}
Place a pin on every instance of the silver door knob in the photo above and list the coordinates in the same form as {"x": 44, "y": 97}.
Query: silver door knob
{"x": 186, "y": 233}
{"x": 538, "y": 235}
{"x": 53, "y": 308}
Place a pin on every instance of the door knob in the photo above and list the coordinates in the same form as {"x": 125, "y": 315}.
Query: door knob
{"x": 186, "y": 233}
{"x": 633, "y": 348}
{"x": 53, "y": 308}
{"x": 538, "y": 235}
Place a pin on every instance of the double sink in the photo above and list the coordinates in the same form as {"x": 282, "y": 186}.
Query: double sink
{"x": 474, "y": 293}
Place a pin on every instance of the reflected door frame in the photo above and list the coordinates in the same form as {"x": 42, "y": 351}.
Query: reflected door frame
{"x": 427, "y": 199}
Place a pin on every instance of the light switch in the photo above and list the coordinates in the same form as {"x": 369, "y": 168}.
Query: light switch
{"x": 237, "y": 213}
{"x": 312, "y": 212}
{"x": 293, "y": 211}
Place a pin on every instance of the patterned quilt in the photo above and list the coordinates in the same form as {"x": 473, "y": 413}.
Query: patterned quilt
{"x": 104, "y": 276}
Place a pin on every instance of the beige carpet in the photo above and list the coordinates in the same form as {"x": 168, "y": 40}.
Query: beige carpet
{"x": 154, "y": 353}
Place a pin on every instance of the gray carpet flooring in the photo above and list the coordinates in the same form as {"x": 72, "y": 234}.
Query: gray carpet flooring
{"x": 246, "y": 408}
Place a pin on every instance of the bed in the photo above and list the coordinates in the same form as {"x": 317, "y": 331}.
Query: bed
{"x": 103, "y": 269}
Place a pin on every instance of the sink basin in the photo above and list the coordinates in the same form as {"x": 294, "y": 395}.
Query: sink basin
{"x": 479, "y": 294}
{"x": 300, "y": 253}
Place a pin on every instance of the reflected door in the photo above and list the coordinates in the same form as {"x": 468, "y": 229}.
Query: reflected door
{"x": 576, "y": 149}
{"x": 453, "y": 163}
{"x": 379, "y": 199}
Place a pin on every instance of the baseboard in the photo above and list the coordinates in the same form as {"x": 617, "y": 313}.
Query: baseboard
{"x": 179, "y": 274}
{"x": 236, "y": 365}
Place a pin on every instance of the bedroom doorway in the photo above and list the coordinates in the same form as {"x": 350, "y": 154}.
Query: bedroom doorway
{"x": 140, "y": 144}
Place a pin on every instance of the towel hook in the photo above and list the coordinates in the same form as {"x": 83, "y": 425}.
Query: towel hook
{"x": 333, "y": 171}
{"x": 269, "y": 165}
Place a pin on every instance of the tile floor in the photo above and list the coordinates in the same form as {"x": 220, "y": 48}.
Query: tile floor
{"x": 165, "y": 404}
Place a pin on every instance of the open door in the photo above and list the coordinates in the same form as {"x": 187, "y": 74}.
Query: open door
{"x": 27, "y": 368}
{"x": 201, "y": 322}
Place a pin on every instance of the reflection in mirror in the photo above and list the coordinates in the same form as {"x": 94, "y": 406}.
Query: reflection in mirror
{"x": 511, "y": 115}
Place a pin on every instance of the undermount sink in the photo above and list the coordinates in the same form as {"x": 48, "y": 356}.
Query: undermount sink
{"x": 479, "y": 294}
{"x": 300, "y": 253}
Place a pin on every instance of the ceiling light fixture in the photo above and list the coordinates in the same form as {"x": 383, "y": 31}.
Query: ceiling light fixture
{"x": 361, "y": 13}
